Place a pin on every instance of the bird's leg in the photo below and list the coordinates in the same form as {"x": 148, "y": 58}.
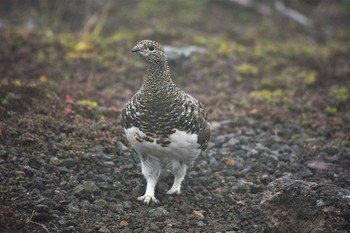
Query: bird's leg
{"x": 151, "y": 170}
{"x": 179, "y": 171}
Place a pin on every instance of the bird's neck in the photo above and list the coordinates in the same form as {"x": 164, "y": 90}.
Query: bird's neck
{"x": 158, "y": 78}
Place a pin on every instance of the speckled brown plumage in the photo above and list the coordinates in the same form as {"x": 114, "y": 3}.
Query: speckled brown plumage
{"x": 160, "y": 106}
{"x": 166, "y": 126}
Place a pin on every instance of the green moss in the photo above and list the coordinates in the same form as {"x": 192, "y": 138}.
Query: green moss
{"x": 83, "y": 46}
{"x": 240, "y": 49}
{"x": 330, "y": 110}
{"x": 244, "y": 103}
{"x": 201, "y": 40}
{"x": 339, "y": 94}
{"x": 88, "y": 103}
{"x": 246, "y": 70}
{"x": 292, "y": 78}
{"x": 4, "y": 101}
{"x": 283, "y": 80}
{"x": 222, "y": 94}
{"x": 273, "y": 97}
{"x": 225, "y": 47}
{"x": 9, "y": 98}
{"x": 267, "y": 82}
{"x": 310, "y": 77}
{"x": 17, "y": 83}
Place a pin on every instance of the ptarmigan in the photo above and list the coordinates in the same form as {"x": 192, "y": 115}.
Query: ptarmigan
{"x": 167, "y": 127}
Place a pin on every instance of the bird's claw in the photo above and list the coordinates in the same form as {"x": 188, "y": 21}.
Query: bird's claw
{"x": 173, "y": 191}
{"x": 147, "y": 199}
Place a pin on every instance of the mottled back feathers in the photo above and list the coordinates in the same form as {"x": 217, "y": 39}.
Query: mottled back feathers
{"x": 160, "y": 108}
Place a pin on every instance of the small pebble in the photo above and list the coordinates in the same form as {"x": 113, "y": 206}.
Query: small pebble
{"x": 68, "y": 163}
{"x": 198, "y": 215}
{"x": 124, "y": 223}
{"x": 104, "y": 229}
{"x": 55, "y": 161}
{"x": 90, "y": 186}
{"x": 159, "y": 212}
{"x": 101, "y": 203}
{"x": 127, "y": 204}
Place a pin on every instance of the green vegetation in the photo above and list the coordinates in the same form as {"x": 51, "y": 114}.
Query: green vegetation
{"x": 273, "y": 97}
{"x": 250, "y": 67}
{"x": 330, "y": 110}
{"x": 67, "y": 71}
{"x": 88, "y": 103}
{"x": 246, "y": 70}
{"x": 339, "y": 94}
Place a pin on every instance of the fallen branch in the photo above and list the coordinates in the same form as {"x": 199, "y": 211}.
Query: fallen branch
{"x": 279, "y": 6}
{"x": 36, "y": 223}
{"x": 292, "y": 14}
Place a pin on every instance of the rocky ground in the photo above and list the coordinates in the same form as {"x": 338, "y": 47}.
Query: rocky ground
{"x": 255, "y": 177}
{"x": 278, "y": 102}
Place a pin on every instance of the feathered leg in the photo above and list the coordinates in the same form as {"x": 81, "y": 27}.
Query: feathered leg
{"x": 151, "y": 169}
{"x": 179, "y": 171}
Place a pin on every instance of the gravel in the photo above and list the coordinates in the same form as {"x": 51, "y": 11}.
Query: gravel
{"x": 235, "y": 186}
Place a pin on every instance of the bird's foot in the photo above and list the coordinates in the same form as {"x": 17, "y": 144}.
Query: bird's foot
{"x": 146, "y": 199}
{"x": 174, "y": 191}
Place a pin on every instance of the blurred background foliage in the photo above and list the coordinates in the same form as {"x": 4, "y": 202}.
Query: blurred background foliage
{"x": 263, "y": 56}
{"x": 224, "y": 16}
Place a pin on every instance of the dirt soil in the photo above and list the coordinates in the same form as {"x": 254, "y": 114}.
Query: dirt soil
{"x": 65, "y": 165}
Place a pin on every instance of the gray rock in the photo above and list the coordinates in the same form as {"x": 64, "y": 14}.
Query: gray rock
{"x": 118, "y": 208}
{"x": 87, "y": 190}
{"x": 127, "y": 204}
{"x": 78, "y": 189}
{"x": 29, "y": 171}
{"x": 317, "y": 164}
{"x": 232, "y": 142}
{"x": 13, "y": 151}
{"x": 265, "y": 179}
{"x": 3, "y": 154}
{"x": 68, "y": 163}
{"x": 159, "y": 212}
{"x": 55, "y": 161}
{"x": 90, "y": 186}
{"x": 330, "y": 150}
{"x": 34, "y": 163}
{"x": 98, "y": 148}
{"x": 101, "y": 203}
{"x": 42, "y": 208}
{"x": 301, "y": 206}
{"x": 243, "y": 140}
{"x": 72, "y": 181}
{"x": 109, "y": 163}
{"x": 176, "y": 53}
{"x": 220, "y": 140}
{"x": 252, "y": 152}
{"x": 107, "y": 157}
{"x": 84, "y": 204}
{"x": 103, "y": 178}
{"x": 213, "y": 162}
{"x": 72, "y": 208}
{"x": 200, "y": 223}
{"x": 153, "y": 226}
{"x": 104, "y": 229}
{"x": 249, "y": 132}
{"x": 241, "y": 186}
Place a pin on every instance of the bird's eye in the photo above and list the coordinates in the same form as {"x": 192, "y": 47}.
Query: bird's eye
{"x": 151, "y": 48}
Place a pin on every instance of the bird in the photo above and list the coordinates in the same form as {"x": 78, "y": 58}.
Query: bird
{"x": 167, "y": 127}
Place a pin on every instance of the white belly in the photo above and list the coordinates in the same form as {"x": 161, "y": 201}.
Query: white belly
{"x": 183, "y": 146}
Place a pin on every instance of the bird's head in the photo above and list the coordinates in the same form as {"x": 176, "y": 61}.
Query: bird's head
{"x": 150, "y": 51}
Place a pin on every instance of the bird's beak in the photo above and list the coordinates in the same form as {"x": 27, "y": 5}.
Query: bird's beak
{"x": 135, "y": 49}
